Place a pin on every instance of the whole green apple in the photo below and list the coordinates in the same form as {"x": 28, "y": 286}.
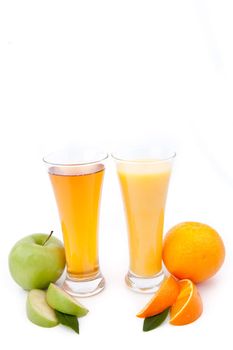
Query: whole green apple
{"x": 35, "y": 261}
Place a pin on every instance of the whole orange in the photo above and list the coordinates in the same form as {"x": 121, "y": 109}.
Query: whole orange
{"x": 193, "y": 250}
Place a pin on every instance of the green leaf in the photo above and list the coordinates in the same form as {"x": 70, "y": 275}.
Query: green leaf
{"x": 155, "y": 321}
{"x": 68, "y": 320}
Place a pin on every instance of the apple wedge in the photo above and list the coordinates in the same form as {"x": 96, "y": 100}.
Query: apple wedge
{"x": 38, "y": 311}
{"x": 59, "y": 300}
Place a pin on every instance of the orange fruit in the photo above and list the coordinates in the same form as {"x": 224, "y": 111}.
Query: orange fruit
{"x": 163, "y": 298}
{"x": 193, "y": 250}
{"x": 188, "y": 305}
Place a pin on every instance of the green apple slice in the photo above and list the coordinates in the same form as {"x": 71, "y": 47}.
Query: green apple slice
{"x": 59, "y": 300}
{"x": 38, "y": 311}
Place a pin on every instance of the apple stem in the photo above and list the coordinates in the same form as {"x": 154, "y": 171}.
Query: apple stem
{"x": 48, "y": 238}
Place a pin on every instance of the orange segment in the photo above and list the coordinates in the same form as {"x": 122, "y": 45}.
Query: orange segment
{"x": 188, "y": 305}
{"x": 163, "y": 298}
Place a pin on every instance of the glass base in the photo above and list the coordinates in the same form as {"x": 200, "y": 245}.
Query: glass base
{"x": 84, "y": 287}
{"x": 144, "y": 284}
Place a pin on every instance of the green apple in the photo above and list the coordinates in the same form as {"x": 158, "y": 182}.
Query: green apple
{"x": 38, "y": 311}
{"x": 59, "y": 300}
{"x": 35, "y": 262}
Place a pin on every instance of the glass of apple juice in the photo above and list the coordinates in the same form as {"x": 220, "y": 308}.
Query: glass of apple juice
{"x": 76, "y": 178}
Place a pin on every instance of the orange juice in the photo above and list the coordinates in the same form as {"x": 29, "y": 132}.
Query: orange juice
{"x": 77, "y": 191}
{"x": 144, "y": 189}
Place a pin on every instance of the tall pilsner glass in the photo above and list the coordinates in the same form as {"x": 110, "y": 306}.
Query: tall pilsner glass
{"x": 144, "y": 177}
{"x": 76, "y": 179}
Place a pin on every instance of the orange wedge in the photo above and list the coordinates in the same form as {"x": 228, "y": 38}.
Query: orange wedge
{"x": 163, "y": 298}
{"x": 188, "y": 305}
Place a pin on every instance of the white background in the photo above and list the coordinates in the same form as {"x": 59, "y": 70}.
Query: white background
{"x": 104, "y": 74}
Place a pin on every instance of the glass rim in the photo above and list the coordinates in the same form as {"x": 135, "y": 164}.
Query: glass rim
{"x": 146, "y": 161}
{"x": 102, "y": 156}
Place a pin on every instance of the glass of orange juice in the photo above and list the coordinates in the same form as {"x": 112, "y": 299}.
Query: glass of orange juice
{"x": 144, "y": 177}
{"x": 77, "y": 178}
